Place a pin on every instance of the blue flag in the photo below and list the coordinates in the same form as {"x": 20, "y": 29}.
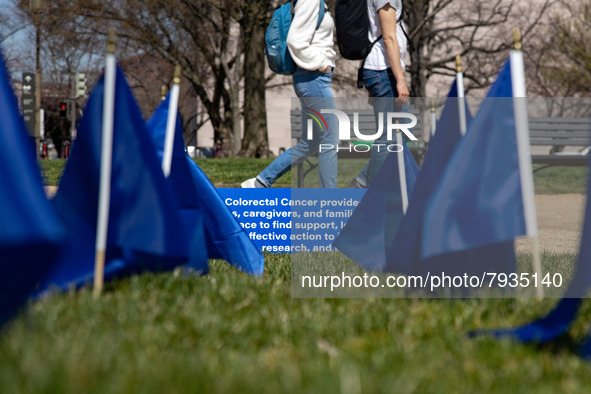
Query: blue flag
{"x": 478, "y": 201}
{"x": 224, "y": 237}
{"x": 376, "y": 219}
{"x": 545, "y": 329}
{"x": 30, "y": 232}
{"x": 145, "y": 230}
{"x": 559, "y": 320}
{"x": 403, "y": 253}
{"x": 182, "y": 184}
{"x": 228, "y": 237}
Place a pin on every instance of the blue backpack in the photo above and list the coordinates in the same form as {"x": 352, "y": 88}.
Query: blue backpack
{"x": 278, "y": 55}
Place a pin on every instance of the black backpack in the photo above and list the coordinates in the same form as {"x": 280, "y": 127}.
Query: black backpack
{"x": 352, "y": 25}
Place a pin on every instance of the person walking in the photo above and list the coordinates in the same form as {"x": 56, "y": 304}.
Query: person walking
{"x": 311, "y": 47}
{"x": 383, "y": 75}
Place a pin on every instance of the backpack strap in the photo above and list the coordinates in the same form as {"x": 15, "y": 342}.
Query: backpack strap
{"x": 323, "y": 10}
{"x": 362, "y": 65}
{"x": 321, "y": 13}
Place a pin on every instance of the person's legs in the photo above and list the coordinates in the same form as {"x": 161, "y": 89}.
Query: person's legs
{"x": 283, "y": 163}
{"x": 327, "y": 158}
{"x": 360, "y": 181}
{"x": 381, "y": 85}
{"x": 313, "y": 88}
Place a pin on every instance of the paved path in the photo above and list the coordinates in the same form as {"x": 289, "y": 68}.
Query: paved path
{"x": 560, "y": 220}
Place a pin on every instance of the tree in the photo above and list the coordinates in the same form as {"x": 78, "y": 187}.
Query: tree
{"x": 253, "y": 26}
{"x": 213, "y": 41}
{"x": 478, "y": 30}
{"x": 9, "y": 26}
{"x": 220, "y": 46}
{"x": 562, "y": 61}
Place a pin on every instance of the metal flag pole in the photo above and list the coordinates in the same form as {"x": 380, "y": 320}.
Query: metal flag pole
{"x": 433, "y": 118}
{"x": 524, "y": 155}
{"x": 105, "y": 165}
{"x": 402, "y": 170}
{"x": 173, "y": 106}
{"x": 461, "y": 95}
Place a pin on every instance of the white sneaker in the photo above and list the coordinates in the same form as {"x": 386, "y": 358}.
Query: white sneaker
{"x": 253, "y": 183}
{"x": 249, "y": 183}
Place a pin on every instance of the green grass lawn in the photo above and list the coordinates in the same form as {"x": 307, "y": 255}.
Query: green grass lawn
{"x": 228, "y": 332}
{"x": 561, "y": 180}
{"x": 232, "y": 172}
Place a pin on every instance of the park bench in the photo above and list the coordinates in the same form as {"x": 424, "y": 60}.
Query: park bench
{"x": 555, "y": 133}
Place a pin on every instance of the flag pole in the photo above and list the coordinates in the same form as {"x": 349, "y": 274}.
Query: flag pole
{"x": 433, "y": 118}
{"x": 171, "y": 122}
{"x": 402, "y": 171}
{"x": 162, "y": 92}
{"x": 524, "y": 155}
{"x": 461, "y": 95}
{"x": 106, "y": 164}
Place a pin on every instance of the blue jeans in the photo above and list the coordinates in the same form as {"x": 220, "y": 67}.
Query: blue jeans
{"x": 382, "y": 85}
{"x": 313, "y": 89}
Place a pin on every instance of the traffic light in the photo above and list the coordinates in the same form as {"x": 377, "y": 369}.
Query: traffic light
{"x": 63, "y": 109}
{"x": 80, "y": 85}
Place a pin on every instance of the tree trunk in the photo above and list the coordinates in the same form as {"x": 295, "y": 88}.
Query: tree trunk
{"x": 227, "y": 129}
{"x": 235, "y": 116}
{"x": 255, "y": 142}
{"x": 416, "y": 11}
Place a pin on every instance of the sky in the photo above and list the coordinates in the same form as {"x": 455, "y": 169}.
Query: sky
{"x": 19, "y": 39}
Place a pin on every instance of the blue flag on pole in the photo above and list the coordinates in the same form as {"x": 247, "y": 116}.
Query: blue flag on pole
{"x": 375, "y": 221}
{"x": 558, "y": 321}
{"x": 228, "y": 237}
{"x": 479, "y": 200}
{"x": 403, "y": 254}
{"x": 182, "y": 185}
{"x": 145, "y": 230}
{"x": 224, "y": 237}
{"x": 30, "y": 232}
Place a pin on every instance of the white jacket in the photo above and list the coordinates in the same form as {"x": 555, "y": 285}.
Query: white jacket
{"x": 311, "y": 48}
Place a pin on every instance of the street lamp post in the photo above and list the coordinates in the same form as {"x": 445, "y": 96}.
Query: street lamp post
{"x": 35, "y": 7}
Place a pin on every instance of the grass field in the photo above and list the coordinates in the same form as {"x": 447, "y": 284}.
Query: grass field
{"x": 228, "y": 332}
{"x": 231, "y": 172}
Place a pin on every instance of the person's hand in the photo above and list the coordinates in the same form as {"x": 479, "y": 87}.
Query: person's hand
{"x": 326, "y": 69}
{"x": 403, "y": 93}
